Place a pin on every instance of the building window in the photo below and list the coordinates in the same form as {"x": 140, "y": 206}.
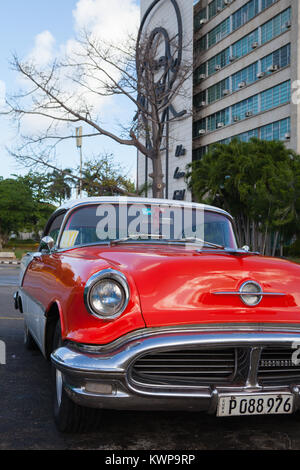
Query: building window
{"x": 218, "y": 33}
{"x": 199, "y": 126}
{"x": 218, "y": 120}
{"x": 198, "y": 153}
{"x": 245, "y": 108}
{"x": 244, "y": 45}
{"x": 275, "y": 96}
{"x": 275, "y": 26}
{"x": 199, "y": 99}
{"x": 215, "y": 7}
{"x": 216, "y": 91}
{"x": 245, "y": 14}
{"x": 199, "y": 73}
{"x": 267, "y": 3}
{"x": 200, "y": 45}
{"x": 223, "y": 141}
{"x": 201, "y": 15}
{"x": 247, "y": 75}
{"x": 281, "y": 58}
{"x": 276, "y": 130}
{"x": 219, "y": 60}
{"x": 247, "y": 136}
{"x": 253, "y": 105}
{"x": 244, "y": 137}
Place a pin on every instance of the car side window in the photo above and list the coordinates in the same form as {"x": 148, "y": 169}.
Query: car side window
{"x": 54, "y": 228}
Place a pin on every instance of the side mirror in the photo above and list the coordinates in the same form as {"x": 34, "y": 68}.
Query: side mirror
{"x": 47, "y": 243}
{"x": 246, "y": 248}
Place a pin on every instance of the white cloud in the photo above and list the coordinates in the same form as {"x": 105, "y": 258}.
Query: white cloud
{"x": 43, "y": 51}
{"x": 110, "y": 19}
{"x": 2, "y": 93}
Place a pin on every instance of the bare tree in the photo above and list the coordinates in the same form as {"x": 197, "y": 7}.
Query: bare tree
{"x": 148, "y": 72}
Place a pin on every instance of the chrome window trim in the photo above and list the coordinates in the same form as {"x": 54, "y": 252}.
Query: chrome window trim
{"x": 106, "y": 274}
{"x": 136, "y": 200}
{"x": 78, "y": 204}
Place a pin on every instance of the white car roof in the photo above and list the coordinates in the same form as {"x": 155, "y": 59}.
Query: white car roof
{"x": 139, "y": 200}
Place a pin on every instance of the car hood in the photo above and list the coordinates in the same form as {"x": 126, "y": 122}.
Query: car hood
{"x": 178, "y": 286}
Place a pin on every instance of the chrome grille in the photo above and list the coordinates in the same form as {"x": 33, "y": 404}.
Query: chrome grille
{"x": 188, "y": 366}
{"x": 276, "y": 365}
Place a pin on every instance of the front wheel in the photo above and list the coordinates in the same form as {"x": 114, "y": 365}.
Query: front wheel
{"x": 69, "y": 417}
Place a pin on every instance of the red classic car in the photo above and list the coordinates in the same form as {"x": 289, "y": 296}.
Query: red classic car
{"x": 150, "y": 304}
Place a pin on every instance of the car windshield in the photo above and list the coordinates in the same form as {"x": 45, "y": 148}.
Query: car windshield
{"x": 121, "y": 223}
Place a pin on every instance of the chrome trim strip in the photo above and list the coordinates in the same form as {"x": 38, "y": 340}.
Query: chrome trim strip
{"x": 113, "y": 366}
{"x": 252, "y": 382}
{"x": 195, "y": 329}
{"x": 118, "y": 358}
{"x": 204, "y": 399}
{"x": 260, "y": 293}
{"x": 71, "y": 206}
{"x": 247, "y": 293}
{"x": 139, "y": 200}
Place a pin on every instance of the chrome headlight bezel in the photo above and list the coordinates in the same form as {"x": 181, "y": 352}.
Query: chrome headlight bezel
{"x": 109, "y": 274}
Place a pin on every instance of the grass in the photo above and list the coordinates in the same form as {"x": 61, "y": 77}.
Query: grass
{"x": 21, "y": 252}
{"x": 20, "y": 249}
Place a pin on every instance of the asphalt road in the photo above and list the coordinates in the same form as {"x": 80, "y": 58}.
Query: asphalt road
{"x": 26, "y": 415}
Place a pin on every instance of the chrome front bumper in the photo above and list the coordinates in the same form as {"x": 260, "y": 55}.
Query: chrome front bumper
{"x": 100, "y": 376}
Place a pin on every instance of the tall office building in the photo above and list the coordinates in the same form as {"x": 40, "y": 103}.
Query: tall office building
{"x": 246, "y": 58}
{"x": 246, "y": 68}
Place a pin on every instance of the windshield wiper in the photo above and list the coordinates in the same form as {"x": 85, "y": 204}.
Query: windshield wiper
{"x": 144, "y": 237}
{"x": 203, "y": 242}
{"x": 154, "y": 237}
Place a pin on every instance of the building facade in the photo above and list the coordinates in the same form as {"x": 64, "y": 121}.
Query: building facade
{"x": 246, "y": 69}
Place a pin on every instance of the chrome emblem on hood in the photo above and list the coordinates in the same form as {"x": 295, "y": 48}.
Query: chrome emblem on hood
{"x": 250, "y": 293}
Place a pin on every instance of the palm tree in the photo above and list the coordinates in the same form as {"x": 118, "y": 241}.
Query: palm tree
{"x": 60, "y": 185}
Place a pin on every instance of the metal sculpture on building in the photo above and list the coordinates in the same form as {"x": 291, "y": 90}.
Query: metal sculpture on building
{"x": 166, "y": 70}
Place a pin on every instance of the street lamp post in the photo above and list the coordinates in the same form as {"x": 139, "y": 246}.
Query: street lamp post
{"x": 79, "y": 146}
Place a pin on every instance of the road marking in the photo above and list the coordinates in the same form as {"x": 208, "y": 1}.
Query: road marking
{"x": 8, "y": 285}
{"x": 11, "y": 318}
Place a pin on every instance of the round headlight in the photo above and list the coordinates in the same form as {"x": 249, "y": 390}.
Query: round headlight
{"x": 107, "y": 294}
{"x": 250, "y": 293}
{"x": 107, "y": 297}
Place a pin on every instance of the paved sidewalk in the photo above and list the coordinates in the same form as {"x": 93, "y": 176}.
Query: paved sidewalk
{"x": 10, "y": 262}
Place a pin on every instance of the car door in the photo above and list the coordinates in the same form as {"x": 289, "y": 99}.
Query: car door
{"x": 34, "y": 281}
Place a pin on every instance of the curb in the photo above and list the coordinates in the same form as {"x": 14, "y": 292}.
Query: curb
{"x": 10, "y": 262}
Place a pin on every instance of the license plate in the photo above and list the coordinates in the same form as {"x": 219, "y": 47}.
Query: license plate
{"x": 243, "y": 405}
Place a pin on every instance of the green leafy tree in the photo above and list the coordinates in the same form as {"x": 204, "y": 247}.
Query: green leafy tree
{"x": 16, "y": 207}
{"x": 258, "y": 182}
{"x": 38, "y": 184}
{"x": 42, "y": 208}
{"x": 102, "y": 177}
{"x": 60, "y": 185}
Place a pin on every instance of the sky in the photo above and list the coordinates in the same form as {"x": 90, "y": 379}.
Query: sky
{"x": 40, "y": 30}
